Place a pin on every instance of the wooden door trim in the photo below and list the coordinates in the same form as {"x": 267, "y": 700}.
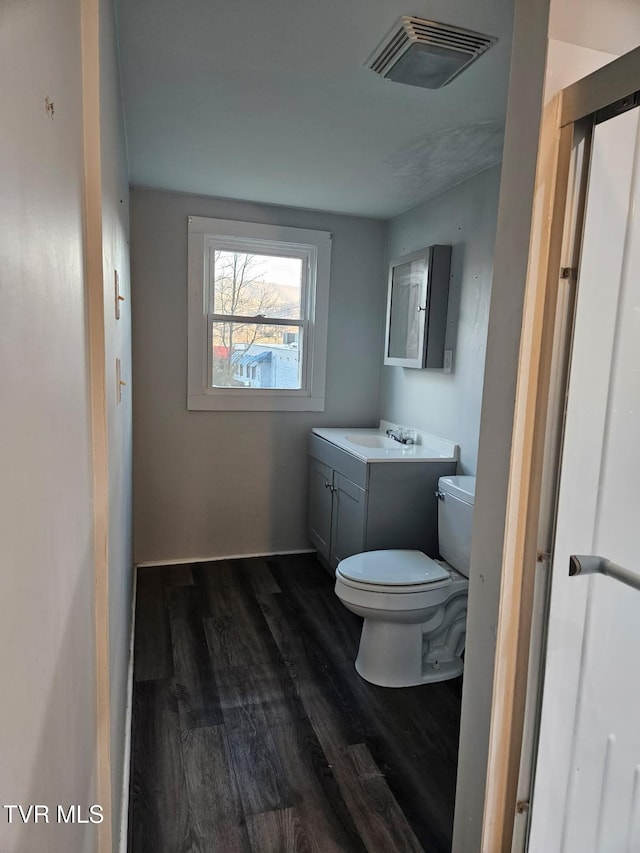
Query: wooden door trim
{"x": 520, "y": 550}
{"x": 94, "y": 289}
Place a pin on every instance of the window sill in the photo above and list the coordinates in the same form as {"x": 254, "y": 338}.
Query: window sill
{"x": 250, "y": 403}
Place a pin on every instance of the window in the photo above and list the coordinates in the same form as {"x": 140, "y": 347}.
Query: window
{"x": 258, "y": 309}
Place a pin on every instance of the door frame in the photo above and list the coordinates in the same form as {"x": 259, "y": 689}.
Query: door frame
{"x": 95, "y": 319}
{"x": 554, "y": 251}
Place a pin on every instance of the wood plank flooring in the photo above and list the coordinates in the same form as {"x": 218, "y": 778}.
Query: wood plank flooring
{"x": 252, "y": 731}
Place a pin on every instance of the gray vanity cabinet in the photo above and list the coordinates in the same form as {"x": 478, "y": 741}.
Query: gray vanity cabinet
{"x": 337, "y": 513}
{"x": 364, "y": 506}
{"x": 320, "y": 506}
{"x": 348, "y": 519}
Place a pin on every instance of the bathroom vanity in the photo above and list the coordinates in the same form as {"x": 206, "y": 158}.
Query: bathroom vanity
{"x": 368, "y": 491}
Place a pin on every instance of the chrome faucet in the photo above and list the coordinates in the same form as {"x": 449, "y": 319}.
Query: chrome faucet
{"x": 404, "y": 436}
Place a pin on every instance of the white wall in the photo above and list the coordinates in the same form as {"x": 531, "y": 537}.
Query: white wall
{"x": 436, "y": 402}
{"x": 49, "y": 716}
{"x": 610, "y": 26}
{"x": 115, "y": 254}
{"x": 47, "y": 634}
{"x": 212, "y": 484}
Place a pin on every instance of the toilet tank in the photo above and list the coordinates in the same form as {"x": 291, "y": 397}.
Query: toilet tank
{"x": 456, "y": 496}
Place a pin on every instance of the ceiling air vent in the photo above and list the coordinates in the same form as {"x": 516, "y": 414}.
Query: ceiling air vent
{"x": 425, "y": 53}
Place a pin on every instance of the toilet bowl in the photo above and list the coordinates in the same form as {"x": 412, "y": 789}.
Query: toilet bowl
{"x": 414, "y": 608}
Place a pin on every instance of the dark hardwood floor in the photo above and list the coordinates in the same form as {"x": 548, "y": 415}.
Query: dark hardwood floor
{"x": 253, "y": 732}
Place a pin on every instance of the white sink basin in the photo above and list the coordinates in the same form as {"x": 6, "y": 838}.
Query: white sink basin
{"x": 380, "y": 442}
{"x": 372, "y": 444}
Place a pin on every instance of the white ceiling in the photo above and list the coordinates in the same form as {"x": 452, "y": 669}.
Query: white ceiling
{"x": 269, "y": 101}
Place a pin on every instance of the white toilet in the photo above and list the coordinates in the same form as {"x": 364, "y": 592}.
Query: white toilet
{"x": 414, "y": 608}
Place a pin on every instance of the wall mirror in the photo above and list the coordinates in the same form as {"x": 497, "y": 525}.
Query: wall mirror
{"x": 417, "y": 299}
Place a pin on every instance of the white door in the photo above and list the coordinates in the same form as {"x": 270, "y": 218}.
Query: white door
{"x": 586, "y": 796}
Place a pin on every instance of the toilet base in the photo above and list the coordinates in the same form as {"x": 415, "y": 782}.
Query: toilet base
{"x": 393, "y": 654}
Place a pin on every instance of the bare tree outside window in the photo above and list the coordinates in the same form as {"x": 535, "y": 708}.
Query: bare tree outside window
{"x": 263, "y": 287}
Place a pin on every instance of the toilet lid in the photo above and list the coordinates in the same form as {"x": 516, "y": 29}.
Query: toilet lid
{"x": 392, "y": 568}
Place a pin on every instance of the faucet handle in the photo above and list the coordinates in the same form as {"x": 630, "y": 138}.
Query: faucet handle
{"x": 408, "y": 436}
{"x": 403, "y": 435}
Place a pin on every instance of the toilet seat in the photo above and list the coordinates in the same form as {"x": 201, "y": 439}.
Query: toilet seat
{"x": 393, "y": 571}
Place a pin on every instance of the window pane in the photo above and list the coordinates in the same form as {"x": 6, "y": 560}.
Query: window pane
{"x": 256, "y": 355}
{"x": 250, "y": 284}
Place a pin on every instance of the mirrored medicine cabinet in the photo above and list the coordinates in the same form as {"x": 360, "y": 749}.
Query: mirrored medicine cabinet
{"x": 417, "y": 300}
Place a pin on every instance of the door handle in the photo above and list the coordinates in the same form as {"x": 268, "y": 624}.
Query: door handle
{"x": 581, "y": 564}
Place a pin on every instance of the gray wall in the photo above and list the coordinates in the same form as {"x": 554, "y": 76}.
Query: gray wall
{"x": 503, "y": 343}
{"x": 449, "y": 404}
{"x": 213, "y": 484}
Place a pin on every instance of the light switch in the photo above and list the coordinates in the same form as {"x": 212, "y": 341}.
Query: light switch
{"x": 118, "y": 298}
{"x": 119, "y": 382}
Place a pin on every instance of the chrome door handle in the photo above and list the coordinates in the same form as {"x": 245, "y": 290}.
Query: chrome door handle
{"x": 581, "y": 564}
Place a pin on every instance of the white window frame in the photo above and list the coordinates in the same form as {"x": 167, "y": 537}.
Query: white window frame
{"x": 314, "y": 247}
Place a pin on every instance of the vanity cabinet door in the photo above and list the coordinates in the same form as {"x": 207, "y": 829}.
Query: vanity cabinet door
{"x": 348, "y": 519}
{"x": 320, "y": 500}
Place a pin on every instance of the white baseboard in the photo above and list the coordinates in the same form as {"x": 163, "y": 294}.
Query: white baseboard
{"x": 126, "y": 770}
{"x": 217, "y": 558}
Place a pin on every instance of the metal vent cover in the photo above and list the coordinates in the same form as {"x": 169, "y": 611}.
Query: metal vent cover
{"x": 426, "y": 53}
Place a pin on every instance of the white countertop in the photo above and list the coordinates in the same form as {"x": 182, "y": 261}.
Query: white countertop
{"x": 429, "y": 448}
